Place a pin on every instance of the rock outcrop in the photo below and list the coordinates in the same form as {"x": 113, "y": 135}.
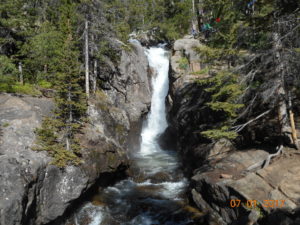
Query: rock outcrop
{"x": 150, "y": 37}
{"x": 34, "y": 192}
{"x": 188, "y": 114}
{"x": 273, "y": 187}
{"x": 220, "y": 171}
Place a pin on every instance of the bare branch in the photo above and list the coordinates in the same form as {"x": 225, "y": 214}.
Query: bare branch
{"x": 240, "y": 127}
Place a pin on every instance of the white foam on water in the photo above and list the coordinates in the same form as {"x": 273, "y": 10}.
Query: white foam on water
{"x": 95, "y": 213}
{"x": 172, "y": 189}
{"x": 97, "y": 219}
{"x": 143, "y": 219}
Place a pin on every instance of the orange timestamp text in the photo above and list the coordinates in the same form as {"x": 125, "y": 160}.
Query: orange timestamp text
{"x": 254, "y": 203}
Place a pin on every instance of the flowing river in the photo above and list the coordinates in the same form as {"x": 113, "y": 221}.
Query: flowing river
{"x": 159, "y": 196}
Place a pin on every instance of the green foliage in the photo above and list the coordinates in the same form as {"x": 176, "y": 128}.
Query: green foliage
{"x": 42, "y": 53}
{"x": 8, "y": 79}
{"x": 225, "y": 90}
{"x": 237, "y": 28}
{"x": 8, "y": 74}
{"x": 27, "y": 89}
{"x": 16, "y": 22}
{"x": 7, "y": 67}
{"x": 226, "y": 107}
{"x": 45, "y": 84}
{"x": 13, "y": 87}
{"x": 258, "y": 208}
{"x": 106, "y": 50}
{"x": 220, "y": 133}
{"x": 48, "y": 140}
{"x": 171, "y": 16}
{"x": 211, "y": 55}
{"x": 183, "y": 63}
{"x": 202, "y": 71}
{"x": 58, "y": 133}
{"x": 5, "y": 124}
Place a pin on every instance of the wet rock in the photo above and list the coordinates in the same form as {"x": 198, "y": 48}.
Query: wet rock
{"x": 160, "y": 177}
{"x": 147, "y": 190}
{"x": 140, "y": 177}
{"x": 59, "y": 188}
{"x": 99, "y": 199}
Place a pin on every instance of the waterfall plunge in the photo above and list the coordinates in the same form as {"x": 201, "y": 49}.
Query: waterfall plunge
{"x": 156, "y": 121}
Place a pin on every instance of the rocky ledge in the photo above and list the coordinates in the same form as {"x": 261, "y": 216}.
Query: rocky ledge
{"x": 268, "y": 193}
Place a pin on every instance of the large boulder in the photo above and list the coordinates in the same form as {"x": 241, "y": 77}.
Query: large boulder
{"x": 21, "y": 168}
{"x": 149, "y": 37}
{"x": 273, "y": 188}
{"x": 133, "y": 82}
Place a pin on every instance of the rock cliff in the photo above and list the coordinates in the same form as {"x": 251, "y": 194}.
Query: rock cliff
{"x": 34, "y": 192}
{"x": 223, "y": 171}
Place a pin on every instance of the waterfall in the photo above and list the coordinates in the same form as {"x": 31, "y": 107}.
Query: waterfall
{"x": 154, "y": 194}
{"x": 156, "y": 121}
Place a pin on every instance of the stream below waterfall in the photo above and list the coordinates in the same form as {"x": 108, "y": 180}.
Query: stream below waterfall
{"x": 159, "y": 196}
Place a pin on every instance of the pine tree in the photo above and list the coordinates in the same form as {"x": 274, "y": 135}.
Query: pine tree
{"x": 70, "y": 99}
{"x": 171, "y": 16}
{"x": 224, "y": 88}
{"x": 41, "y": 54}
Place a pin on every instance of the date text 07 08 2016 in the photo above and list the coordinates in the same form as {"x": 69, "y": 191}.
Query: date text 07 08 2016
{"x": 254, "y": 203}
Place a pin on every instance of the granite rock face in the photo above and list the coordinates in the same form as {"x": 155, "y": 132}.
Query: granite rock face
{"x": 273, "y": 188}
{"x": 131, "y": 84}
{"x": 188, "y": 113}
{"x": 21, "y": 169}
{"x": 34, "y": 192}
{"x": 150, "y": 37}
{"x": 219, "y": 170}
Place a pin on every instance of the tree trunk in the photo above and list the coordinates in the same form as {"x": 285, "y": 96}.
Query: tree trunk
{"x": 193, "y": 2}
{"x": 21, "y": 73}
{"x": 292, "y": 120}
{"x": 95, "y": 76}
{"x": 282, "y": 108}
{"x": 199, "y": 14}
{"x": 45, "y": 68}
{"x": 87, "y": 80}
{"x": 68, "y": 146}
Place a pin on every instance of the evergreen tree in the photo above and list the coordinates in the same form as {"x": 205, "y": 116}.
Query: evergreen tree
{"x": 171, "y": 16}
{"x": 41, "y": 54}
{"x": 17, "y": 22}
{"x": 70, "y": 99}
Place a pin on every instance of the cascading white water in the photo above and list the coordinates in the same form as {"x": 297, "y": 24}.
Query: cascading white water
{"x": 156, "y": 196}
{"x": 156, "y": 121}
